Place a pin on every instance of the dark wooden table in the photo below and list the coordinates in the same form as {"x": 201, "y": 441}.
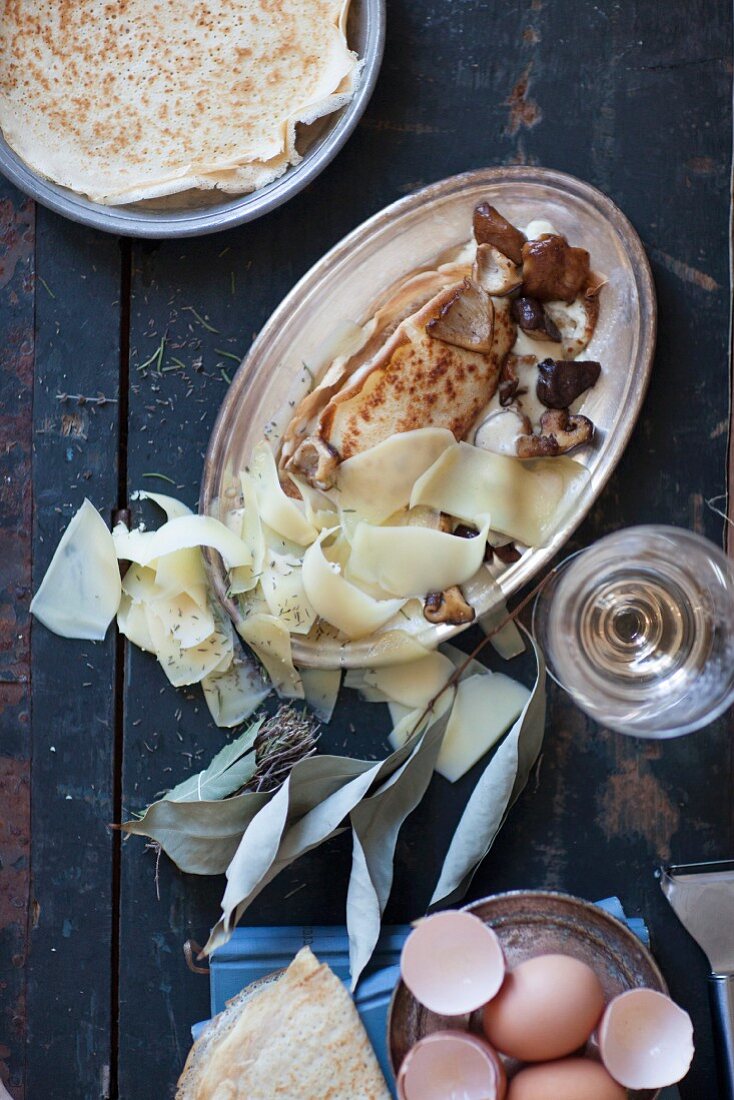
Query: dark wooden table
{"x": 95, "y": 996}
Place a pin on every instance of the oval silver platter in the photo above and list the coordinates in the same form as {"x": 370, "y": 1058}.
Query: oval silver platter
{"x": 530, "y": 923}
{"x": 356, "y": 275}
{"x": 194, "y": 213}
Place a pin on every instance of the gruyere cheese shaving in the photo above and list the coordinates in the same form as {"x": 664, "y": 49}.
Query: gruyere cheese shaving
{"x": 407, "y": 725}
{"x": 411, "y": 561}
{"x": 183, "y": 619}
{"x": 172, "y": 507}
{"x": 140, "y": 584}
{"x": 282, "y": 587}
{"x": 337, "y": 600}
{"x": 233, "y": 695}
{"x": 378, "y": 481}
{"x": 413, "y": 684}
{"x": 182, "y": 571}
{"x": 245, "y": 577}
{"x": 524, "y": 500}
{"x": 320, "y": 511}
{"x": 270, "y": 640}
{"x": 321, "y": 686}
{"x": 132, "y": 544}
{"x": 276, "y": 509}
{"x": 183, "y": 574}
{"x": 80, "y": 593}
{"x": 398, "y": 712}
{"x": 188, "y": 666}
{"x": 233, "y": 520}
{"x": 186, "y": 532}
{"x": 132, "y": 621}
{"x": 356, "y": 678}
{"x": 485, "y": 707}
{"x": 460, "y": 660}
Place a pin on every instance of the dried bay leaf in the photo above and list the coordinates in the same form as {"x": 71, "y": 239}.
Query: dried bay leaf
{"x": 255, "y": 836}
{"x": 233, "y": 695}
{"x": 317, "y": 796}
{"x": 196, "y": 824}
{"x": 321, "y": 687}
{"x": 494, "y": 794}
{"x": 229, "y": 770}
{"x": 200, "y": 837}
{"x": 376, "y": 823}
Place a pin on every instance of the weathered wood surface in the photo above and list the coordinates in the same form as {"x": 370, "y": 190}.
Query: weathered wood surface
{"x": 70, "y": 979}
{"x": 17, "y": 227}
{"x": 634, "y": 97}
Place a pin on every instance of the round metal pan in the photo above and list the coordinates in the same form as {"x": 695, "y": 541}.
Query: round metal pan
{"x": 195, "y": 213}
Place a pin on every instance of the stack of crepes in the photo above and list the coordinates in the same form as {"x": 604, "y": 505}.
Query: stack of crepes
{"x": 297, "y": 1036}
{"x": 137, "y": 100}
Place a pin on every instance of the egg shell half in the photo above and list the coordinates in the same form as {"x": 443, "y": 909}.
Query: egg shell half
{"x": 451, "y": 1065}
{"x": 452, "y": 963}
{"x": 569, "y": 1079}
{"x": 547, "y": 1008}
{"x": 645, "y": 1039}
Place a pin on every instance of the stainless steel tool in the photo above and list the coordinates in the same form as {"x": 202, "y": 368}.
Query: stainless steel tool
{"x": 702, "y": 897}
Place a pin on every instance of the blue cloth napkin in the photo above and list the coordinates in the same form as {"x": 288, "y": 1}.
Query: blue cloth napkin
{"x": 254, "y": 952}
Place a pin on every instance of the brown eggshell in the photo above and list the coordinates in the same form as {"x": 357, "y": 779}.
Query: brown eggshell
{"x": 451, "y": 1062}
{"x": 547, "y": 1008}
{"x": 569, "y": 1079}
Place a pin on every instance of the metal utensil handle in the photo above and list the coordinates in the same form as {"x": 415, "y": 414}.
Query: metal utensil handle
{"x": 721, "y": 992}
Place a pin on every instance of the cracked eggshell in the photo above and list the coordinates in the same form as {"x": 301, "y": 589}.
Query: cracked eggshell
{"x": 451, "y": 1064}
{"x": 645, "y": 1040}
{"x": 452, "y": 962}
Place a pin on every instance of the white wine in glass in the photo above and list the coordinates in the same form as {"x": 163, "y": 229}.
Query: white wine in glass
{"x": 639, "y": 630}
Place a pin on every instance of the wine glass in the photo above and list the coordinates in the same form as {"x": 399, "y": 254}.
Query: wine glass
{"x": 639, "y": 630}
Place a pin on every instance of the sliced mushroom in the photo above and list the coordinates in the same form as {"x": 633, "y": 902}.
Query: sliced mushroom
{"x": 537, "y": 446}
{"x": 561, "y": 381}
{"x": 495, "y": 272}
{"x": 534, "y": 321}
{"x": 490, "y": 227}
{"x": 559, "y": 433}
{"x": 448, "y": 607}
{"x": 552, "y": 269}
{"x": 509, "y": 382}
{"x": 507, "y": 554}
{"x": 466, "y": 319}
{"x": 316, "y": 462}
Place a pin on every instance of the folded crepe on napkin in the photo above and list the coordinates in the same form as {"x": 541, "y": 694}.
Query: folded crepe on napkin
{"x": 297, "y": 1035}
